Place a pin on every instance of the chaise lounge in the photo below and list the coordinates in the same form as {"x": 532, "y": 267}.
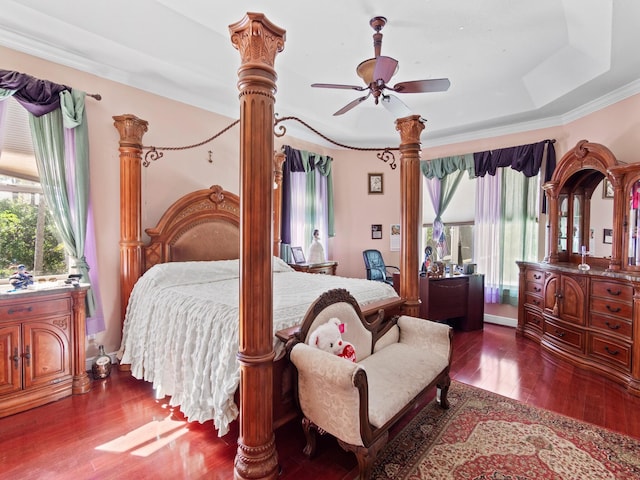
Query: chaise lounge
{"x": 398, "y": 360}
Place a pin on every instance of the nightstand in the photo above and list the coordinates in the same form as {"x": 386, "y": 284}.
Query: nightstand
{"x": 326, "y": 268}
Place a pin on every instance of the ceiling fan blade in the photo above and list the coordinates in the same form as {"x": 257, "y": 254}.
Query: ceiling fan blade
{"x": 334, "y": 85}
{"x": 385, "y": 68}
{"x": 396, "y": 106}
{"x": 423, "y": 86}
{"x": 352, "y": 104}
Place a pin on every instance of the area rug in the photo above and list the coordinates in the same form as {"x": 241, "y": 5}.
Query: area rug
{"x": 488, "y": 436}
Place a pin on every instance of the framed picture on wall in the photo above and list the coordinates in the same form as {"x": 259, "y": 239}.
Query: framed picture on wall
{"x": 298, "y": 254}
{"x": 607, "y": 235}
{"x": 375, "y": 183}
{"x": 376, "y": 232}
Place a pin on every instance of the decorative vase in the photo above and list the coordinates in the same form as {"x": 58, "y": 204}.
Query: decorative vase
{"x": 101, "y": 367}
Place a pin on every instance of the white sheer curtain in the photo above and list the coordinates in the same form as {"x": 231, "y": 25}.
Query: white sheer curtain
{"x": 312, "y": 209}
{"x": 486, "y": 234}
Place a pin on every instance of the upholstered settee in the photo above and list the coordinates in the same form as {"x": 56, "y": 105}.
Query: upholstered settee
{"x": 397, "y": 361}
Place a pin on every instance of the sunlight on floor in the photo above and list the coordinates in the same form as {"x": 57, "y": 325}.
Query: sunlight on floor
{"x": 147, "y": 439}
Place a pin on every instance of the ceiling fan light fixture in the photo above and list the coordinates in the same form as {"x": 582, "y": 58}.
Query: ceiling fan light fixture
{"x": 365, "y": 70}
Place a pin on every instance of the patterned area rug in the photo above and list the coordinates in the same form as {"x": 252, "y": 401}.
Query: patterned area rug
{"x": 487, "y": 436}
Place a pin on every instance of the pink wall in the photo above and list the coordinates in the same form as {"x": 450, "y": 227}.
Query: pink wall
{"x": 176, "y": 124}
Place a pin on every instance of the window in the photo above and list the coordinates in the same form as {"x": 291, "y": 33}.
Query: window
{"x": 458, "y": 247}
{"x": 27, "y": 232}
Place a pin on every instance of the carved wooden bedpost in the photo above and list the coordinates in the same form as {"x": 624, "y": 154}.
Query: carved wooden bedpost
{"x": 131, "y": 129}
{"x": 258, "y": 41}
{"x": 278, "y": 160}
{"x": 410, "y": 129}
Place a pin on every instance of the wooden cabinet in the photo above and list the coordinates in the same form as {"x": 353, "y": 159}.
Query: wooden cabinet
{"x": 459, "y": 298}
{"x": 325, "y": 268}
{"x": 42, "y": 347}
{"x": 590, "y": 311}
{"x": 589, "y": 318}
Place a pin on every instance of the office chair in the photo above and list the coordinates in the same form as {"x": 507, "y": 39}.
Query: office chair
{"x": 376, "y": 268}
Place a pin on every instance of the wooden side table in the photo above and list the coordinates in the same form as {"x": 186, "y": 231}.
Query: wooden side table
{"x": 326, "y": 268}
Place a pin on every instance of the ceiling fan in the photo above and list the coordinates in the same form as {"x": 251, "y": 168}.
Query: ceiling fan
{"x": 377, "y": 71}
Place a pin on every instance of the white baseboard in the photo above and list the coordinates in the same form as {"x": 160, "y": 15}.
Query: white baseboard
{"x": 505, "y": 321}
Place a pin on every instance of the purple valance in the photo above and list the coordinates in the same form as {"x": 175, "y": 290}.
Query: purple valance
{"x": 524, "y": 158}
{"x": 38, "y": 97}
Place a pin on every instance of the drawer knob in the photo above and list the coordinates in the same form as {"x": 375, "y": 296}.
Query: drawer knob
{"x": 613, "y": 309}
{"x": 611, "y": 292}
{"x": 537, "y": 289}
{"x": 27, "y": 355}
{"x": 613, "y": 327}
{"x": 537, "y": 276}
{"x": 610, "y": 351}
{"x": 16, "y": 358}
{"x": 560, "y": 333}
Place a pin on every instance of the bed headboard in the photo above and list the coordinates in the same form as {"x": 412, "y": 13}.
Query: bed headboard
{"x": 202, "y": 225}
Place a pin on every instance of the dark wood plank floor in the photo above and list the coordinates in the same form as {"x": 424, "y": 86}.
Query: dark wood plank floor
{"x": 119, "y": 430}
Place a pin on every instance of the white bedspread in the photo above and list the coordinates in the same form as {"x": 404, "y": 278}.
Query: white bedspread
{"x": 181, "y": 329}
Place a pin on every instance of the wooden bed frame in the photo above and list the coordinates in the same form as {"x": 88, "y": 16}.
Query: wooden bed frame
{"x": 215, "y": 213}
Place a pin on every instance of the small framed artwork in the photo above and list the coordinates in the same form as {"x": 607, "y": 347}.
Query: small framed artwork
{"x": 376, "y": 232}
{"x": 375, "y": 183}
{"x": 607, "y": 235}
{"x": 298, "y": 255}
{"x": 607, "y": 188}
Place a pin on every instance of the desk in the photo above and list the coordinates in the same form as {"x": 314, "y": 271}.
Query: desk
{"x": 457, "y": 298}
{"x": 327, "y": 268}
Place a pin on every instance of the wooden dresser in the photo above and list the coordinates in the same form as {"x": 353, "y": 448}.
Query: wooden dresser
{"x": 326, "y": 268}
{"x": 583, "y": 302}
{"x": 42, "y": 347}
{"x": 589, "y": 318}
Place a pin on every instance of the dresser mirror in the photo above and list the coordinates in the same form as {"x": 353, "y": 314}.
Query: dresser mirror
{"x": 582, "y": 208}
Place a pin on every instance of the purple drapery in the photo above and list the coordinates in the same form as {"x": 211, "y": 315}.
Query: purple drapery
{"x": 524, "y": 158}
{"x": 37, "y": 96}
{"x": 94, "y": 323}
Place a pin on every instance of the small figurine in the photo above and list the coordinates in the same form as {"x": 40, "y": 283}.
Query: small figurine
{"x": 21, "y": 279}
{"x": 316, "y": 251}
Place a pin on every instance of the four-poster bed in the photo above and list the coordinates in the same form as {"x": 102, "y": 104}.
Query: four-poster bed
{"x": 191, "y": 258}
{"x": 258, "y": 41}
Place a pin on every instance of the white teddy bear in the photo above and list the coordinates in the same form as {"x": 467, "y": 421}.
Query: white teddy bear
{"x": 328, "y": 337}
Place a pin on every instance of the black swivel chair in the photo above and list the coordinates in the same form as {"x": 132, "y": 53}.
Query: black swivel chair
{"x": 376, "y": 268}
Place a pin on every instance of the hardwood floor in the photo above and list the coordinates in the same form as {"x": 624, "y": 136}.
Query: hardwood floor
{"x": 119, "y": 430}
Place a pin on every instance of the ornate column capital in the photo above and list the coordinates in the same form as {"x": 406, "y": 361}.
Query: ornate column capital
{"x": 410, "y": 129}
{"x": 257, "y": 39}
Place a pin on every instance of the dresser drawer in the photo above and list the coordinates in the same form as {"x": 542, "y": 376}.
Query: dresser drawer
{"x": 611, "y": 308}
{"x": 564, "y": 336}
{"x": 612, "y": 290}
{"x": 617, "y": 354}
{"x": 535, "y": 276}
{"x": 533, "y": 287}
{"x": 533, "y": 321}
{"x": 612, "y": 325}
{"x": 533, "y": 300}
{"x": 18, "y": 310}
{"x": 328, "y": 270}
